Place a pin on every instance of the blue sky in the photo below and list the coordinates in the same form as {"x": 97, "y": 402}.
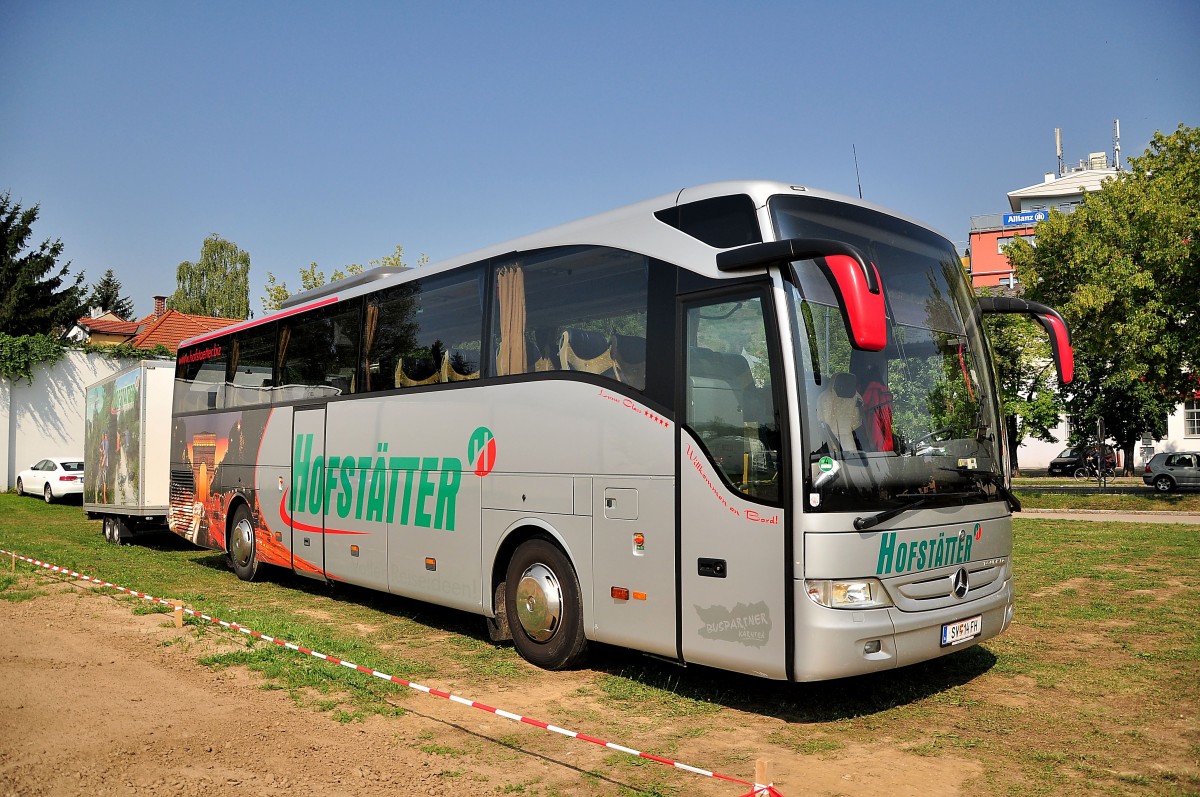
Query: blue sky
{"x": 332, "y": 132}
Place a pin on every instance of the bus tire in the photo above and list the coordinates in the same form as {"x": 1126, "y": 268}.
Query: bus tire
{"x": 543, "y": 606}
{"x": 243, "y": 556}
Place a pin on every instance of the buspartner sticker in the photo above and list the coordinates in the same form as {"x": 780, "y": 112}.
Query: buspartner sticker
{"x": 746, "y": 625}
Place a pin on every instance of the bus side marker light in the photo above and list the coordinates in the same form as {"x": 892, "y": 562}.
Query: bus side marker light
{"x": 639, "y": 596}
{"x": 430, "y": 563}
{"x": 620, "y": 593}
{"x": 354, "y": 550}
{"x": 279, "y": 536}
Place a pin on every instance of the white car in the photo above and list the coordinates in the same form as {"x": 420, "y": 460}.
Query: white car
{"x": 52, "y": 478}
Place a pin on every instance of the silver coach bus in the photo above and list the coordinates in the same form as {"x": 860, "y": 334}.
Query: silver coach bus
{"x": 749, "y": 425}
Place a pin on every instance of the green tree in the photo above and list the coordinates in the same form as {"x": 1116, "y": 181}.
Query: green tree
{"x": 218, "y": 284}
{"x": 313, "y": 277}
{"x": 1030, "y": 403}
{"x": 36, "y": 294}
{"x": 106, "y": 294}
{"x": 1122, "y": 270}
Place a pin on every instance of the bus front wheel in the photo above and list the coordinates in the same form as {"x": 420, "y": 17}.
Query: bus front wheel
{"x": 542, "y": 602}
{"x": 242, "y": 554}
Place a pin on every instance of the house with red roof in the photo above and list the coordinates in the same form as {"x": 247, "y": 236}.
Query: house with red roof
{"x": 163, "y": 326}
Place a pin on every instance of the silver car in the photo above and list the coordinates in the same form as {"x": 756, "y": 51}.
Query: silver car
{"x": 1173, "y": 470}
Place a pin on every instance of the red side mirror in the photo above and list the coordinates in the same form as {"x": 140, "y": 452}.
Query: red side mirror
{"x": 1051, "y": 321}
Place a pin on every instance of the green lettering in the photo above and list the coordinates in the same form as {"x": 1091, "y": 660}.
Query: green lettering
{"x": 967, "y": 553}
{"x": 447, "y": 494}
{"x": 393, "y": 479}
{"x": 364, "y": 467}
{"x": 345, "y": 495}
{"x": 317, "y": 489}
{"x": 330, "y": 479}
{"x": 922, "y": 550}
{"x": 378, "y": 491}
{"x": 887, "y": 548}
{"x": 425, "y": 489}
{"x": 409, "y": 465}
{"x": 301, "y": 462}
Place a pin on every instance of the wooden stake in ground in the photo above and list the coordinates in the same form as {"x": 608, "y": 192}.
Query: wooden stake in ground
{"x": 178, "y": 613}
{"x": 762, "y": 777}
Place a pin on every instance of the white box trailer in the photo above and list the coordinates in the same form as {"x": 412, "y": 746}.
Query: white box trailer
{"x": 127, "y": 449}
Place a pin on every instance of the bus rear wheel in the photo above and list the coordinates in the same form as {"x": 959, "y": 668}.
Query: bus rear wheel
{"x": 543, "y": 605}
{"x": 243, "y": 556}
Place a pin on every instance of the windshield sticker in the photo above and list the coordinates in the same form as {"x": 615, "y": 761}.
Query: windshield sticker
{"x": 939, "y": 551}
{"x": 746, "y": 625}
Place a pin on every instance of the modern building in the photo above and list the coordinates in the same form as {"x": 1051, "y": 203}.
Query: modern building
{"x": 992, "y": 232}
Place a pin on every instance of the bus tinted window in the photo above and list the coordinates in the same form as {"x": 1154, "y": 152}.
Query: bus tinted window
{"x": 250, "y": 376}
{"x": 424, "y": 332}
{"x": 318, "y": 352}
{"x": 578, "y": 309}
{"x": 199, "y": 377}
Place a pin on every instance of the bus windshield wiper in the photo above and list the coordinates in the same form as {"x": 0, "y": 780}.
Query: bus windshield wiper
{"x": 912, "y": 501}
{"x": 994, "y": 479}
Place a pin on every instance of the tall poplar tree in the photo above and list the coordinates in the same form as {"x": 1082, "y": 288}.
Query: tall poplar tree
{"x": 218, "y": 284}
{"x": 37, "y": 296}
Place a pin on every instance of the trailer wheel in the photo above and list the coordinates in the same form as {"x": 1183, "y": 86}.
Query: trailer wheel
{"x": 112, "y": 529}
{"x": 243, "y": 556}
{"x": 543, "y": 606}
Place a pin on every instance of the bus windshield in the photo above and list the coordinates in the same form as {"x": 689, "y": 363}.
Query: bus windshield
{"x": 915, "y": 422}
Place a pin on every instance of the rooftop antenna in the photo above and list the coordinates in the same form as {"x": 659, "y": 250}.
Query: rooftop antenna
{"x": 857, "y": 176}
{"x": 1058, "y": 147}
{"x": 1117, "y": 144}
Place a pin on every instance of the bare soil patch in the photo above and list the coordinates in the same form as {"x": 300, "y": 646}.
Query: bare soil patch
{"x": 96, "y": 699}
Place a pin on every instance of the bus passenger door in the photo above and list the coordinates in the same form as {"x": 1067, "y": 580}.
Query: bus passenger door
{"x": 307, "y": 495}
{"x": 733, "y": 559}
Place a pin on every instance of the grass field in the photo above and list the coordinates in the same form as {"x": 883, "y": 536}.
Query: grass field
{"x": 1093, "y": 691}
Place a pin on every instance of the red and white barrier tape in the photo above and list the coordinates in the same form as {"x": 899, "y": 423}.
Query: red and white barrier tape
{"x": 757, "y": 790}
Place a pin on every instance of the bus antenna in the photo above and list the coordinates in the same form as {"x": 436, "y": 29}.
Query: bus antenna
{"x": 857, "y": 176}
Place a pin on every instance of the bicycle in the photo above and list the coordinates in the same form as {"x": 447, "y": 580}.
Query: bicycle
{"x": 1087, "y": 473}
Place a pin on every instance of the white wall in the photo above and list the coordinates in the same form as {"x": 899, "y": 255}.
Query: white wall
{"x": 1034, "y": 455}
{"x": 45, "y": 419}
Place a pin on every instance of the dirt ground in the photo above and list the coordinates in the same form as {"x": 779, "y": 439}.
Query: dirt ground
{"x": 99, "y": 700}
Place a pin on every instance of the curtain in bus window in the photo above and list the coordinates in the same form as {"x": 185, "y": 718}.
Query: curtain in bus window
{"x": 285, "y": 335}
{"x": 512, "y": 357}
{"x": 369, "y": 330}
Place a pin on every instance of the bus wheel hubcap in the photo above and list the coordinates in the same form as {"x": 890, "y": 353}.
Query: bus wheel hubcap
{"x": 242, "y": 544}
{"x": 539, "y": 602}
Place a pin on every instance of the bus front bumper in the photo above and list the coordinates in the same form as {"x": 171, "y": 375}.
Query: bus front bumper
{"x": 837, "y": 643}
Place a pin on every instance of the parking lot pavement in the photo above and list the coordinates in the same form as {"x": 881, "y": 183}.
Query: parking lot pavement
{"x": 1114, "y": 515}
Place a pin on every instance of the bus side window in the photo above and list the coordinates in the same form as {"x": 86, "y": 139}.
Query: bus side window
{"x": 424, "y": 332}
{"x": 249, "y": 374}
{"x": 199, "y": 385}
{"x": 575, "y": 309}
{"x": 318, "y": 354}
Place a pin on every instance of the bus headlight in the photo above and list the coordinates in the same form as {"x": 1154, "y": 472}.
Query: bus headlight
{"x": 864, "y": 593}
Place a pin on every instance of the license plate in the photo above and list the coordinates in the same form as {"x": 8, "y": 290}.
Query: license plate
{"x": 956, "y": 633}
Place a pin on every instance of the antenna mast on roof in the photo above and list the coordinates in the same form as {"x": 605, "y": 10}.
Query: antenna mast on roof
{"x": 1117, "y": 144}
{"x": 857, "y": 176}
{"x": 1058, "y": 146}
